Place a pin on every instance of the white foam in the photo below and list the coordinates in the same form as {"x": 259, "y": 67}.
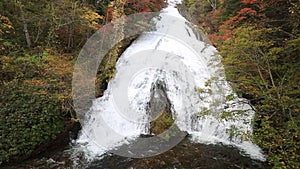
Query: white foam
{"x": 108, "y": 126}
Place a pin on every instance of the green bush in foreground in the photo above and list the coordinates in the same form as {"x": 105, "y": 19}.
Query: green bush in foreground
{"x": 33, "y": 107}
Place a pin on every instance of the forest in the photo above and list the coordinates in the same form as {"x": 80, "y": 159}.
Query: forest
{"x": 259, "y": 41}
{"x": 39, "y": 44}
{"x": 40, "y": 40}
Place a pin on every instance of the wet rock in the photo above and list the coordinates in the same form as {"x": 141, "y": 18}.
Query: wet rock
{"x": 159, "y": 109}
{"x": 188, "y": 155}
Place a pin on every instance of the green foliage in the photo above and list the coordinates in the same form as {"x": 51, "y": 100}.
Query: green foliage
{"x": 27, "y": 120}
{"x": 35, "y": 82}
{"x": 230, "y": 7}
{"x": 35, "y": 86}
{"x": 50, "y": 23}
{"x": 107, "y": 67}
{"x": 33, "y": 107}
{"x": 162, "y": 123}
{"x": 281, "y": 143}
{"x": 259, "y": 69}
{"x": 259, "y": 42}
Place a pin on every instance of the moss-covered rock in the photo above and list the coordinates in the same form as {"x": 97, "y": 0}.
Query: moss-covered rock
{"x": 159, "y": 109}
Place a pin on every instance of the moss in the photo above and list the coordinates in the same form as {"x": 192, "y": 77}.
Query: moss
{"x": 107, "y": 67}
{"x": 161, "y": 123}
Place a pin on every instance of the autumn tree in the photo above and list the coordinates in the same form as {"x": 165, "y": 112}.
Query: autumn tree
{"x": 259, "y": 41}
{"x": 262, "y": 65}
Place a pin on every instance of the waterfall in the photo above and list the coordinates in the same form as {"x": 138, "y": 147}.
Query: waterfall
{"x": 202, "y": 102}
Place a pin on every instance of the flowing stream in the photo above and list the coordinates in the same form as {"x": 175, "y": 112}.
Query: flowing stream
{"x": 202, "y": 104}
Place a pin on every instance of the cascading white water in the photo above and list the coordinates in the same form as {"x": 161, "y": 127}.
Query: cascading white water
{"x": 195, "y": 85}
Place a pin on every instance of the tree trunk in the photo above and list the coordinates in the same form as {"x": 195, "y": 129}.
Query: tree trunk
{"x": 25, "y": 29}
{"x": 27, "y": 34}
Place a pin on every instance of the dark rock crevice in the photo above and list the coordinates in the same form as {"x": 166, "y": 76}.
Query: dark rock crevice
{"x": 159, "y": 109}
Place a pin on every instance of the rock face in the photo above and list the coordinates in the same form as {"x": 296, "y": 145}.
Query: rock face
{"x": 159, "y": 109}
{"x": 188, "y": 155}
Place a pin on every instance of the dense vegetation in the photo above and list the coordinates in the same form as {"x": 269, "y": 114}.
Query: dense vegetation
{"x": 40, "y": 40}
{"x": 260, "y": 44}
{"x": 39, "y": 43}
